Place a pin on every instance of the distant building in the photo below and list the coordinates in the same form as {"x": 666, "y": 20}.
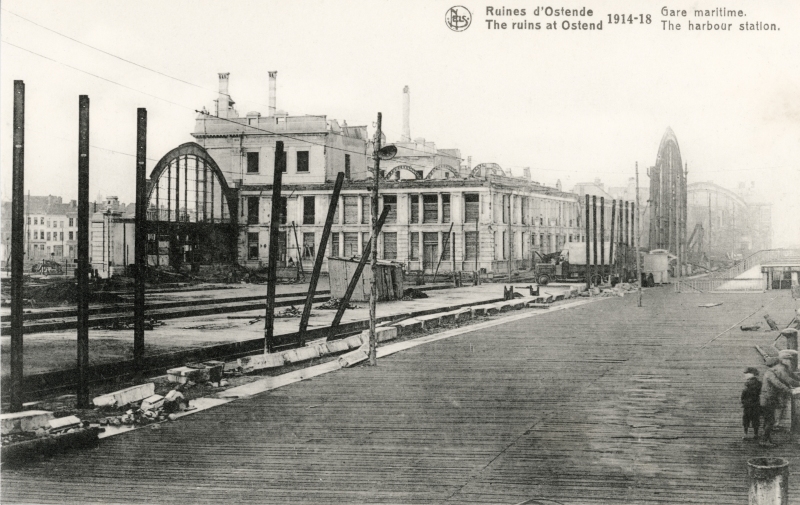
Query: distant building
{"x": 226, "y": 205}
{"x": 50, "y": 229}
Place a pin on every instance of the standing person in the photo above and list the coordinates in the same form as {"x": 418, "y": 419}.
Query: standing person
{"x": 750, "y": 399}
{"x": 772, "y": 391}
{"x": 750, "y": 402}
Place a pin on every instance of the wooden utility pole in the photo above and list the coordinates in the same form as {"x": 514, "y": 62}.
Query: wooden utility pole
{"x": 83, "y": 251}
{"x": 636, "y": 232}
{"x": 17, "y": 246}
{"x": 140, "y": 244}
{"x": 274, "y": 230}
{"x": 373, "y": 289}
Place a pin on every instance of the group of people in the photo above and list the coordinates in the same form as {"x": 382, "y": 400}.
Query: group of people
{"x": 766, "y": 399}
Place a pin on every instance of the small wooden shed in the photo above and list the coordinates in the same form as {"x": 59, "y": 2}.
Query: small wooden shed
{"x": 389, "y": 283}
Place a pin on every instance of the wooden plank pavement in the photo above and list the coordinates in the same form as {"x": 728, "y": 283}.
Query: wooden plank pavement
{"x": 604, "y": 403}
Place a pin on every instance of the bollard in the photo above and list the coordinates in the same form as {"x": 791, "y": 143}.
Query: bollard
{"x": 769, "y": 481}
{"x": 791, "y": 338}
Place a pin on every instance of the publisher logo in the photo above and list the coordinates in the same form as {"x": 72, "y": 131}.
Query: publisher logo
{"x": 458, "y": 18}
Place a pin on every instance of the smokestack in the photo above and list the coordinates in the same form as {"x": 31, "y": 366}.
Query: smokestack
{"x": 406, "y": 114}
{"x": 223, "y": 102}
{"x": 272, "y": 78}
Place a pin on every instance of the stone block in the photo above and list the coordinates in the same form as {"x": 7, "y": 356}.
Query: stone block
{"x": 559, "y": 297}
{"x": 408, "y": 326}
{"x": 302, "y": 354}
{"x": 260, "y": 362}
{"x": 184, "y": 374}
{"x": 480, "y": 310}
{"x": 383, "y": 333}
{"x": 517, "y": 304}
{"x": 548, "y": 299}
{"x": 337, "y": 346}
{"x": 352, "y": 358}
{"x": 126, "y": 396}
{"x": 354, "y": 342}
{"x": 447, "y": 318}
{"x": 492, "y": 309}
{"x": 462, "y": 315}
{"x": 65, "y": 423}
{"x": 431, "y": 321}
{"x": 152, "y": 402}
{"x": 27, "y": 420}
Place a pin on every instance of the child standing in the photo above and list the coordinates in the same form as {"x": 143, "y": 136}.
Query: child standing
{"x": 750, "y": 402}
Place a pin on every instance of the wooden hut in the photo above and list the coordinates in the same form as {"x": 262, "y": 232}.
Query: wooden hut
{"x": 389, "y": 283}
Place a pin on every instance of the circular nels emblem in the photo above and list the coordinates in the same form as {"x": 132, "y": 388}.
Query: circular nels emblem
{"x": 458, "y": 18}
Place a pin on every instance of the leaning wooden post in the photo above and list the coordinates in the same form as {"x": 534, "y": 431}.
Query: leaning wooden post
{"x": 351, "y": 286}
{"x": 17, "y": 242}
{"x": 444, "y": 248}
{"x": 139, "y": 245}
{"x": 272, "y": 262}
{"x": 83, "y": 251}
{"x": 323, "y": 244}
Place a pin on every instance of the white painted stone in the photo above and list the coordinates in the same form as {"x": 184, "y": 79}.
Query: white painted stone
{"x": 260, "y": 361}
{"x": 152, "y": 402}
{"x": 125, "y": 396}
{"x": 302, "y": 354}
{"x": 337, "y": 346}
{"x": 354, "y": 342}
{"x": 65, "y": 423}
{"x": 383, "y": 333}
{"x": 27, "y": 420}
{"x": 352, "y": 358}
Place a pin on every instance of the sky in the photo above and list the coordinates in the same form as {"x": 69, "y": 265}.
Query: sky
{"x": 571, "y": 105}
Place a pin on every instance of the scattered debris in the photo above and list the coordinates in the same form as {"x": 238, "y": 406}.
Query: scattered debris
{"x": 288, "y": 312}
{"x": 709, "y": 305}
{"x": 334, "y": 304}
{"x": 118, "y": 324}
{"x": 413, "y": 294}
{"x": 771, "y": 322}
{"x": 752, "y": 327}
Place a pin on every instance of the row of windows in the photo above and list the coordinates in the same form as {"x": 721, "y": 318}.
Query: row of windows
{"x": 350, "y": 248}
{"x": 301, "y": 165}
{"x": 40, "y": 235}
{"x": 56, "y": 224}
{"x": 423, "y": 208}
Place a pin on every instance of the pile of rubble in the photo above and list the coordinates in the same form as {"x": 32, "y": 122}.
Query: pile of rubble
{"x": 618, "y": 290}
{"x": 289, "y": 312}
{"x": 334, "y": 304}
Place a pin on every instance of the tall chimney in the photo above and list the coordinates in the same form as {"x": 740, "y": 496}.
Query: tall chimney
{"x": 272, "y": 77}
{"x": 406, "y": 113}
{"x": 223, "y": 103}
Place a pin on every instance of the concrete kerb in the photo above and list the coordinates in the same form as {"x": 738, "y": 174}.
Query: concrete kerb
{"x": 344, "y": 361}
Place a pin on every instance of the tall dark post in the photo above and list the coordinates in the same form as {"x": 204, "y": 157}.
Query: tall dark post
{"x": 611, "y": 261}
{"x": 588, "y": 270}
{"x": 140, "y": 246}
{"x": 323, "y": 243}
{"x": 620, "y": 249}
{"x": 602, "y": 238}
{"x": 594, "y": 236}
{"x": 625, "y": 239}
{"x": 272, "y": 263}
{"x": 83, "y": 251}
{"x": 17, "y": 241}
